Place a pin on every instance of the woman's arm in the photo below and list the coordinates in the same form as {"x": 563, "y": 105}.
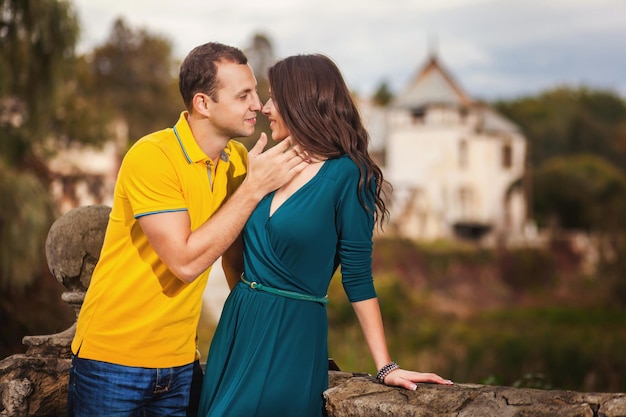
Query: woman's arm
{"x": 370, "y": 319}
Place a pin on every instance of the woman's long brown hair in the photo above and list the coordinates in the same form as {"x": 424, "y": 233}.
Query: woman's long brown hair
{"x": 319, "y": 111}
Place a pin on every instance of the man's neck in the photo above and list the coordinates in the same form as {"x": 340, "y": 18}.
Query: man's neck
{"x": 211, "y": 143}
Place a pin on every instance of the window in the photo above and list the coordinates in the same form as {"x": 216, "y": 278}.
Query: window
{"x": 507, "y": 155}
{"x": 466, "y": 202}
{"x": 418, "y": 115}
{"x": 463, "y": 154}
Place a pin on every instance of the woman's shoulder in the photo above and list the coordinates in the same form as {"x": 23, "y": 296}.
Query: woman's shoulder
{"x": 342, "y": 166}
{"x": 341, "y": 171}
{"x": 343, "y": 163}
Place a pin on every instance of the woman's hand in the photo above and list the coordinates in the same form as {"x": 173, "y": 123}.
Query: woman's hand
{"x": 408, "y": 379}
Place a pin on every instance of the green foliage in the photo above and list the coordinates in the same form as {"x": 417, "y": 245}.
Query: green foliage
{"x": 38, "y": 39}
{"x": 580, "y": 192}
{"x": 383, "y": 95}
{"x": 567, "y": 121}
{"x": 568, "y": 348}
{"x": 578, "y": 153}
{"x": 50, "y": 99}
{"x": 25, "y": 219}
{"x": 532, "y": 337}
{"x": 135, "y": 79}
{"x": 38, "y": 36}
{"x": 79, "y": 117}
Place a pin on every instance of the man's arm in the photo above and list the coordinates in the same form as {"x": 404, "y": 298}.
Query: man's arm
{"x": 187, "y": 254}
{"x": 232, "y": 262}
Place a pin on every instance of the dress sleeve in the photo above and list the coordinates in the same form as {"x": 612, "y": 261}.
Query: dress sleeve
{"x": 355, "y": 227}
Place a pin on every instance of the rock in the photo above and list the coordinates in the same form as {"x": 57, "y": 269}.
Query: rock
{"x": 358, "y": 395}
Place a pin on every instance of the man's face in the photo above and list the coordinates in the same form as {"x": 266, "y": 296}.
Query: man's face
{"x": 234, "y": 114}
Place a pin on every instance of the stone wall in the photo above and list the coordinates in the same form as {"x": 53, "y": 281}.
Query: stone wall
{"x": 34, "y": 384}
{"x": 359, "y": 395}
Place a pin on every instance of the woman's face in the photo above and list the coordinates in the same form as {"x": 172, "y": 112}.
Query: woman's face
{"x": 277, "y": 124}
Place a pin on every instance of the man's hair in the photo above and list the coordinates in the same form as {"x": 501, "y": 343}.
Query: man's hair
{"x": 198, "y": 72}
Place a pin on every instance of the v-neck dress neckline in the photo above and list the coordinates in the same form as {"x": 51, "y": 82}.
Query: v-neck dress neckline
{"x": 293, "y": 195}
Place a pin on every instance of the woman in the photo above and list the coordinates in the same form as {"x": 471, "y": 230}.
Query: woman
{"x": 269, "y": 353}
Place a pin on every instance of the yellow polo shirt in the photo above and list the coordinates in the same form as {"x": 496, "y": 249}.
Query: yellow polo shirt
{"x": 136, "y": 311}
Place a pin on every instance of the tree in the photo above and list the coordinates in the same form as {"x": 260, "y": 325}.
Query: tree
{"x": 136, "y": 79}
{"x": 588, "y": 193}
{"x": 38, "y": 39}
{"x": 567, "y": 121}
{"x": 580, "y": 192}
{"x": 383, "y": 95}
{"x": 23, "y": 232}
{"x": 51, "y": 99}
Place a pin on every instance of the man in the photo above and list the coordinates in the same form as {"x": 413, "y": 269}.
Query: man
{"x": 181, "y": 199}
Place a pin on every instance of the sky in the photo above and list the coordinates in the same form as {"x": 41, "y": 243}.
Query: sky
{"x": 495, "y": 49}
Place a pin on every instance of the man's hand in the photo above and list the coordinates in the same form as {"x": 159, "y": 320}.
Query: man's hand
{"x": 270, "y": 170}
{"x": 189, "y": 253}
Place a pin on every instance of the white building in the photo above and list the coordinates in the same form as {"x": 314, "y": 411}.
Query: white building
{"x": 83, "y": 175}
{"x": 457, "y": 167}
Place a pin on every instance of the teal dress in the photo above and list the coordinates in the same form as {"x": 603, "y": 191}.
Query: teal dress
{"x": 269, "y": 354}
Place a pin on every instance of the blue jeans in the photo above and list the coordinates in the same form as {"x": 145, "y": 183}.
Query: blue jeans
{"x": 101, "y": 389}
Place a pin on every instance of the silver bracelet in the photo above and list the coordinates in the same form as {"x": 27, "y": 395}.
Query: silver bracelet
{"x": 385, "y": 370}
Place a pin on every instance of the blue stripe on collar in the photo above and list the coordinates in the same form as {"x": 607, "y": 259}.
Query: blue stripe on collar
{"x": 181, "y": 145}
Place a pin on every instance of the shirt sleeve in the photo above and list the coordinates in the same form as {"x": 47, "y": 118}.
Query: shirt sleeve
{"x": 355, "y": 225}
{"x": 150, "y": 182}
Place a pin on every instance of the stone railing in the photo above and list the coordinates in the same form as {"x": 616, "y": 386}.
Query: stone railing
{"x": 353, "y": 395}
{"x": 35, "y": 383}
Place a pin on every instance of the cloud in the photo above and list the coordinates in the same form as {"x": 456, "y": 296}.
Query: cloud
{"x": 494, "y": 48}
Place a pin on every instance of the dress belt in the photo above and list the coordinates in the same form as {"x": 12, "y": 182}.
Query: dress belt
{"x": 284, "y": 293}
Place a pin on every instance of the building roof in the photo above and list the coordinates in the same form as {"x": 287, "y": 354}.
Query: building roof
{"x": 493, "y": 122}
{"x": 432, "y": 85}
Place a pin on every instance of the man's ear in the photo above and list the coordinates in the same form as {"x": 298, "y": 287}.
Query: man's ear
{"x": 202, "y": 104}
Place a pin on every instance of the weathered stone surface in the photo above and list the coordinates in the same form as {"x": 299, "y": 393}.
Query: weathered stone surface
{"x": 73, "y": 247}
{"x": 35, "y": 384}
{"x": 14, "y": 392}
{"x": 74, "y": 243}
{"x": 53, "y": 345}
{"x": 360, "y": 396}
